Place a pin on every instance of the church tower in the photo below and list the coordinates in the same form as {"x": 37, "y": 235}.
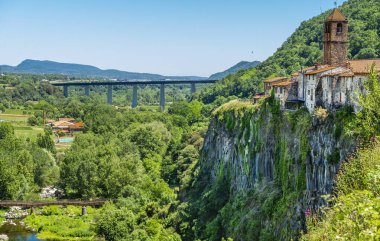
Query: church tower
{"x": 335, "y": 40}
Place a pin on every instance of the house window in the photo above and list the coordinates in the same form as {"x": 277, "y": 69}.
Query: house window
{"x": 311, "y": 95}
{"x": 339, "y": 28}
{"x": 308, "y": 92}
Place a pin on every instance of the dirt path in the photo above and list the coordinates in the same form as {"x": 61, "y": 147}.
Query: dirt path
{"x": 12, "y": 115}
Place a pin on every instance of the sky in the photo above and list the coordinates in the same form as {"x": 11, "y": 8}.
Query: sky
{"x": 169, "y": 37}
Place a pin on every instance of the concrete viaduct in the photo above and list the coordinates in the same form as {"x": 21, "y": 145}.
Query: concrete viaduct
{"x": 134, "y": 85}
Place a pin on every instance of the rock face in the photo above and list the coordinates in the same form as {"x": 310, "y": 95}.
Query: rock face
{"x": 291, "y": 154}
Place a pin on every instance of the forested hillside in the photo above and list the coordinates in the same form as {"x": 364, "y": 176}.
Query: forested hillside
{"x": 304, "y": 48}
{"x": 239, "y": 66}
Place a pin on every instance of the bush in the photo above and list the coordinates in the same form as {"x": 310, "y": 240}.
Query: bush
{"x": 321, "y": 113}
{"x": 33, "y": 121}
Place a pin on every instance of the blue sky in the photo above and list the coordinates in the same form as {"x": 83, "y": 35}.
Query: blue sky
{"x": 171, "y": 37}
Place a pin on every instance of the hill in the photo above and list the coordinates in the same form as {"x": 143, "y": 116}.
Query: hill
{"x": 304, "y": 48}
{"x": 239, "y": 66}
{"x": 79, "y": 70}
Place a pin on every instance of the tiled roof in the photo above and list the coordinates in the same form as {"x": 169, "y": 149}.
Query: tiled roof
{"x": 336, "y": 15}
{"x": 259, "y": 96}
{"x": 78, "y": 125}
{"x": 276, "y": 79}
{"x": 344, "y": 72}
{"x": 321, "y": 70}
{"x": 62, "y": 124}
{"x": 309, "y": 68}
{"x": 363, "y": 66}
{"x": 66, "y": 119}
{"x": 282, "y": 84}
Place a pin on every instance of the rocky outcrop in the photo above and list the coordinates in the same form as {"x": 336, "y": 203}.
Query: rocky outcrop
{"x": 291, "y": 154}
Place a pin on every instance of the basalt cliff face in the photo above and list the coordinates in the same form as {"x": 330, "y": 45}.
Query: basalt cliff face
{"x": 270, "y": 169}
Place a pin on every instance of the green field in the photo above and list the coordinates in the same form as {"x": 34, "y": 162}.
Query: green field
{"x": 14, "y": 118}
{"x": 19, "y": 119}
{"x": 30, "y": 132}
{"x": 19, "y": 112}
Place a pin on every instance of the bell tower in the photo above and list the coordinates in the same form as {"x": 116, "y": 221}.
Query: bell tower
{"x": 335, "y": 39}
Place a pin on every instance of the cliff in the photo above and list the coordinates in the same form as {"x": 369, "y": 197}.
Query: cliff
{"x": 262, "y": 170}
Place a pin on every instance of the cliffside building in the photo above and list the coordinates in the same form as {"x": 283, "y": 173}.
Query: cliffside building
{"x": 334, "y": 83}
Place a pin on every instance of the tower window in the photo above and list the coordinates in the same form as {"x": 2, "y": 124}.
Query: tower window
{"x": 339, "y": 28}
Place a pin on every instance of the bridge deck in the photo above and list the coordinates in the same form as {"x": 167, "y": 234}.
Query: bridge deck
{"x": 29, "y": 204}
{"x": 153, "y": 82}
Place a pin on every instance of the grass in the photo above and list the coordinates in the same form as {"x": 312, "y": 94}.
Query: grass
{"x": 19, "y": 119}
{"x": 59, "y": 223}
{"x": 2, "y": 215}
{"x": 30, "y": 132}
{"x": 18, "y": 112}
{"x": 14, "y": 118}
{"x": 236, "y": 106}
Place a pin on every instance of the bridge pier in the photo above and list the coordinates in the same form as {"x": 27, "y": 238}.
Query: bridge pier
{"x": 193, "y": 89}
{"x": 87, "y": 90}
{"x": 66, "y": 91}
{"x": 109, "y": 95}
{"x": 134, "y": 96}
{"x": 84, "y": 210}
{"x": 162, "y": 97}
{"x": 31, "y": 210}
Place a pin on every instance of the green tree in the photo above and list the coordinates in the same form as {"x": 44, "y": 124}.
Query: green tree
{"x": 367, "y": 121}
{"x": 6, "y": 130}
{"x": 46, "y": 141}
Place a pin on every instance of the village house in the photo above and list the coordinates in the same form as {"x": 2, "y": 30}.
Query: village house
{"x": 336, "y": 82}
{"x": 66, "y": 125}
{"x": 268, "y": 83}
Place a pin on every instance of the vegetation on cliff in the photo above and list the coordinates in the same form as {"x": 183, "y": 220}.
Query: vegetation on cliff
{"x": 217, "y": 207}
{"x": 355, "y": 211}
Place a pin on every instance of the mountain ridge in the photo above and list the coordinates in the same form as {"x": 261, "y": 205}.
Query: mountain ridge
{"x": 242, "y": 65}
{"x": 81, "y": 70}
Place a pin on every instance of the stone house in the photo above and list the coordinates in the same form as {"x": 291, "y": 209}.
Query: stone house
{"x": 281, "y": 91}
{"x": 268, "y": 83}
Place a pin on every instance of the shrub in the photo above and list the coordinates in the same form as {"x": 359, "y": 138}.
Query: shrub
{"x": 321, "y": 113}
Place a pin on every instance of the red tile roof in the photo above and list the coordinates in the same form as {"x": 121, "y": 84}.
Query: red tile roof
{"x": 363, "y": 66}
{"x": 321, "y": 70}
{"x": 66, "y": 119}
{"x": 276, "y": 79}
{"x": 283, "y": 84}
{"x": 62, "y": 124}
{"x": 78, "y": 125}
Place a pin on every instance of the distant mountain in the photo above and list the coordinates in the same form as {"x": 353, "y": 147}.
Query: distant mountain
{"x": 79, "y": 70}
{"x": 239, "y": 66}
